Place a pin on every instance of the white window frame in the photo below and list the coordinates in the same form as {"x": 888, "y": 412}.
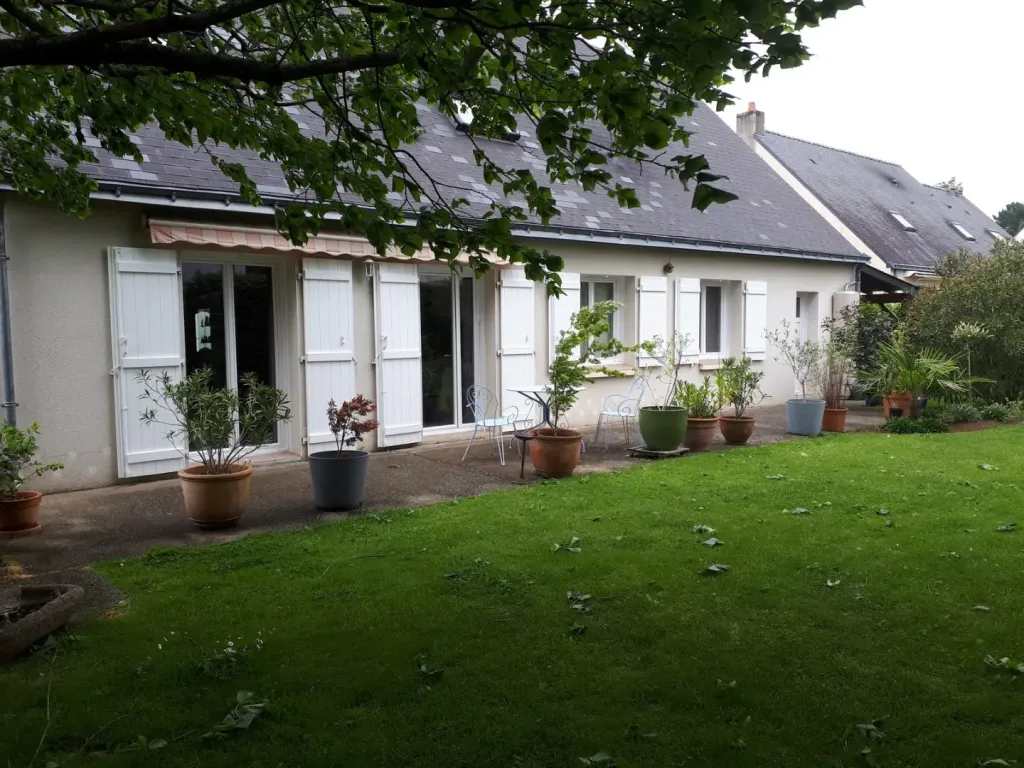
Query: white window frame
{"x": 964, "y": 232}
{"x": 723, "y": 345}
{"x": 282, "y": 354}
{"x": 616, "y": 319}
{"x": 903, "y": 222}
{"x": 479, "y": 371}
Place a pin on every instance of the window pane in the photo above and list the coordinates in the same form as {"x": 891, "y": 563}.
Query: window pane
{"x": 604, "y": 292}
{"x": 467, "y": 348}
{"x": 713, "y": 318}
{"x": 254, "y": 329}
{"x": 203, "y": 300}
{"x": 584, "y": 295}
{"x": 438, "y": 340}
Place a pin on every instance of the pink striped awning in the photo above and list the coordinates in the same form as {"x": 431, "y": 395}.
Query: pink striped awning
{"x": 256, "y": 239}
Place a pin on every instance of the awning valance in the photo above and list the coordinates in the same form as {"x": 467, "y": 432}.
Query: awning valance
{"x": 198, "y": 233}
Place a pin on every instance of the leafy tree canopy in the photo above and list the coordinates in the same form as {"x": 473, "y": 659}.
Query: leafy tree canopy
{"x": 1011, "y": 218}
{"x": 595, "y": 78}
{"x": 954, "y": 186}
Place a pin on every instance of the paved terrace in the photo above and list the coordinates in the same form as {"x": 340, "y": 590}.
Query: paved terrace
{"x": 127, "y": 520}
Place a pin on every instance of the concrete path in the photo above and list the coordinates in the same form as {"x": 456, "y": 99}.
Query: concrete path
{"x": 127, "y": 520}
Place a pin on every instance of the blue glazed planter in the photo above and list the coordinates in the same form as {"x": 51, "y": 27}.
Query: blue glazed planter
{"x": 803, "y": 417}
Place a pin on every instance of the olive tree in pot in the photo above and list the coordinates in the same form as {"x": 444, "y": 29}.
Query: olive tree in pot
{"x": 339, "y": 476}
{"x": 19, "y": 509}
{"x": 703, "y": 404}
{"x": 663, "y": 425}
{"x": 554, "y": 450}
{"x": 221, "y": 426}
{"x": 832, "y": 380}
{"x": 739, "y": 385}
{"x": 805, "y": 359}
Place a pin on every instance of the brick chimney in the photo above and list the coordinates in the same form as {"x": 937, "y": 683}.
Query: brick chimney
{"x": 750, "y": 123}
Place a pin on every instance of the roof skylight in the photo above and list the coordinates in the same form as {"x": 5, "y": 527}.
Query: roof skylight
{"x": 902, "y": 221}
{"x": 963, "y": 231}
{"x": 997, "y": 235}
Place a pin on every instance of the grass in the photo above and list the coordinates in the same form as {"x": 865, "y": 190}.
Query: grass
{"x": 441, "y": 636}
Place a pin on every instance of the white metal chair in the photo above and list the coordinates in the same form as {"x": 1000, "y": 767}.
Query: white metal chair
{"x": 483, "y": 403}
{"x": 624, "y": 408}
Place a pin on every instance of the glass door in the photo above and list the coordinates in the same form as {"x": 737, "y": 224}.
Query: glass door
{"x": 448, "y": 347}
{"x": 229, "y": 322}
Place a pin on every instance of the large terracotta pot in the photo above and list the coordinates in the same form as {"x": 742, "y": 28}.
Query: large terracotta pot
{"x": 898, "y": 400}
{"x": 19, "y": 516}
{"x": 662, "y": 429}
{"x": 699, "y": 434}
{"x": 555, "y": 453}
{"x": 216, "y": 501}
{"x": 736, "y": 431}
{"x": 834, "y": 420}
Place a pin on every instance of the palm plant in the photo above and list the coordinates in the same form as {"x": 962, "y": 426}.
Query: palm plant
{"x": 918, "y": 372}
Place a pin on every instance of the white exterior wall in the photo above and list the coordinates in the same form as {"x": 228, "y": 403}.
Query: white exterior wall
{"x": 785, "y": 278}
{"x": 62, "y": 336}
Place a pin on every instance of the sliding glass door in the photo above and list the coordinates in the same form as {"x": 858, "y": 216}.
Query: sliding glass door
{"x": 447, "y": 324}
{"x": 229, "y": 322}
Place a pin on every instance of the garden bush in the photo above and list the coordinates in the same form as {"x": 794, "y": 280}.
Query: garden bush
{"x": 902, "y": 425}
{"x": 996, "y": 412}
{"x": 985, "y": 292}
{"x": 962, "y": 413}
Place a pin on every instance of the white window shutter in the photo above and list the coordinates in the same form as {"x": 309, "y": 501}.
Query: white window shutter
{"x": 147, "y": 330}
{"x": 652, "y": 313}
{"x": 399, "y": 355}
{"x": 329, "y": 339}
{"x": 561, "y": 309}
{"x": 688, "y": 315}
{"x": 516, "y": 355}
{"x": 755, "y": 319}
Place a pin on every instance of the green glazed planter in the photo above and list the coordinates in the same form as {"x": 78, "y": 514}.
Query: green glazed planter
{"x": 663, "y": 429}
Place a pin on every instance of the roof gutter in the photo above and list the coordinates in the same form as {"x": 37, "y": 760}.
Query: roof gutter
{"x": 213, "y": 201}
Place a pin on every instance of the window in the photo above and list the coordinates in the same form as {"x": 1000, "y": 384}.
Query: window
{"x": 711, "y": 320}
{"x": 963, "y": 231}
{"x": 902, "y": 221}
{"x": 593, "y": 291}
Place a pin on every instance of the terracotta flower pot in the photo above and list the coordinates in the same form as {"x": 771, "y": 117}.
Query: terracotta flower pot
{"x": 699, "y": 434}
{"x": 834, "y": 420}
{"x": 897, "y": 400}
{"x": 19, "y": 516}
{"x": 216, "y": 501}
{"x": 555, "y": 453}
{"x": 736, "y": 431}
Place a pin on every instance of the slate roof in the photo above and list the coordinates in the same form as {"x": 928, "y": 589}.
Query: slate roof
{"x": 862, "y": 191}
{"x": 768, "y": 218}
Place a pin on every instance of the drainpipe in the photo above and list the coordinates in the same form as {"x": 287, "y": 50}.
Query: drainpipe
{"x": 6, "y": 342}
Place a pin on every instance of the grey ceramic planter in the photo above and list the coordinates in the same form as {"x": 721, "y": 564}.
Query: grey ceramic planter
{"x": 339, "y": 480}
{"x": 803, "y": 417}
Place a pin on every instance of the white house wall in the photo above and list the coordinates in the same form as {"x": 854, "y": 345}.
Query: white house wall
{"x": 62, "y": 337}
{"x": 785, "y": 278}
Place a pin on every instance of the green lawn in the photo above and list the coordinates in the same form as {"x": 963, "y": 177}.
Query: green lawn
{"x": 764, "y": 665}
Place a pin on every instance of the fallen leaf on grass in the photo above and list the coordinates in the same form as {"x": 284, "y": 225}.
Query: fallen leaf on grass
{"x": 1008, "y": 528}
{"x": 602, "y": 759}
{"x": 830, "y": 584}
{"x": 987, "y": 467}
{"x": 1005, "y": 665}
{"x": 577, "y": 629}
{"x": 574, "y": 545}
{"x": 716, "y": 568}
{"x": 578, "y": 601}
{"x": 727, "y": 685}
{"x": 713, "y": 542}
{"x": 871, "y": 731}
{"x": 426, "y": 671}
{"x": 800, "y": 511}
{"x": 702, "y": 529}
{"x": 981, "y": 608}
{"x": 995, "y": 761}
{"x": 882, "y": 512}
{"x": 774, "y": 477}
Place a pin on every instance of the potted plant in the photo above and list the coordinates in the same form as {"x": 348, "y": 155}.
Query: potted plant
{"x": 554, "y": 450}
{"x": 339, "y": 476}
{"x": 219, "y": 425}
{"x": 663, "y": 425}
{"x": 702, "y": 405}
{"x": 804, "y": 358}
{"x": 910, "y": 376}
{"x": 19, "y": 509}
{"x": 740, "y": 386}
{"x": 832, "y": 377}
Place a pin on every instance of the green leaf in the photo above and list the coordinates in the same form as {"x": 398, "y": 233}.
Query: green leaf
{"x": 704, "y": 196}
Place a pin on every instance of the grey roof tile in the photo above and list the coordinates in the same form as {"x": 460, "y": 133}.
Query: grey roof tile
{"x": 862, "y": 191}
{"x": 444, "y": 152}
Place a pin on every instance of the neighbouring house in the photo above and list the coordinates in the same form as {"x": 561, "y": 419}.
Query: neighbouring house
{"x": 902, "y": 225}
{"x": 172, "y": 272}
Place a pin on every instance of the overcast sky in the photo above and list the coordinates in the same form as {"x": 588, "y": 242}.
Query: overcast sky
{"x": 936, "y": 86}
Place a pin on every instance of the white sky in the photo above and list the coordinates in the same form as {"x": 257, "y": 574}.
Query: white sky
{"x": 936, "y": 86}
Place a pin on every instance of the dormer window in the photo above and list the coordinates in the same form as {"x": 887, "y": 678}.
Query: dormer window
{"x": 463, "y": 117}
{"x": 963, "y": 231}
{"x": 902, "y": 221}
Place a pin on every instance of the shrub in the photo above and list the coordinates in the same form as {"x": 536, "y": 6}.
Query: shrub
{"x": 1016, "y": 408}
{"x": 996, "y": 412}
{"x": 703, "y": 402}
{"x": 739, "y": 385}
{"x": 18, "y": 463}
{"x": 862, "y": 328}
{"x": 986, "y": 292}
{"x": 902, "y": 425}
{"x": 962, "y": 413}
